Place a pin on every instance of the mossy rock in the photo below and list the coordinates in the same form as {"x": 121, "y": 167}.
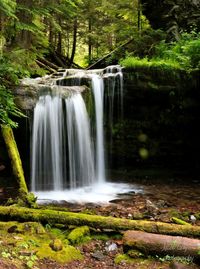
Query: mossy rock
{"x": 67, "y": 254}
{"x": 56, "y": 245}
{"x": 79, "y": 235}
{"x": 23, "y": 228}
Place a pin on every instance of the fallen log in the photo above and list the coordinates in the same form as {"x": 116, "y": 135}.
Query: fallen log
{"x": 94, "y": 221}
{"x": 16, "y": 163}
{"x": 161, "y": 244}
{"x": 50, "y": 69}
{"x": 50, "y": 64}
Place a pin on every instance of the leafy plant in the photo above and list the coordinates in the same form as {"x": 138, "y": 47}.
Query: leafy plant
{"x": 8, "y": 78}
{"x": 183, "y": 54}
{"x": 8, "y": 108}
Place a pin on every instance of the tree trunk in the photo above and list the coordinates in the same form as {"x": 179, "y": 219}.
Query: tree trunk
{"x": 45, "y": 66}
{"x": 89, "y": 41}
{"x": 117, "y": 224}
{"x": 74, "y": 41}
{"x": 59, "y": 44}
{"x": 139, "y": 16}
{"x": 16, "y": 163}
{"x": 50, "y": 64}
{"x": 161, "y": 244}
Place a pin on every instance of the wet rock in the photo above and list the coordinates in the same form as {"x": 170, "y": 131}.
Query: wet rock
{"x": 161, "y": 203}
{"x": 98, "y": 255}
{"x": 110, "y": 247}
{"x": 193, "y": 219}
{"x": 151, "y": 207}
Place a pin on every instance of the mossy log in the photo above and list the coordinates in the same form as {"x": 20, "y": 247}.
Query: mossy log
{"x": 16, "y": 163}
{"x": 161, "y": 244}
{"x": 78, "y": 219}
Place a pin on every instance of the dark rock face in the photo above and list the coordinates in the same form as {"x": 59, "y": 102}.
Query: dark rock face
{"x": 160, "y": 126}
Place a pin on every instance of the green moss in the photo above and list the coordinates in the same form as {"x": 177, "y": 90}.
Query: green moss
{"x": 57, "y": 233}
{"x": 56, "y": 245}
{"x": 179, "y": 221}
{"x": 79, "y": 235}
{"x": 101, "y": 236}
{"x": 95, "y": 221}
{"x": 123, "y": 258}
{"x": 134, "y": 253}
{"x": 67, "y": 254}
{"x": 15, "y": 159}
{"x": 23, "y": 228}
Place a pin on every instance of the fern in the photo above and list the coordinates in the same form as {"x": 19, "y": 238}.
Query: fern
{"x": 8, "y": 7}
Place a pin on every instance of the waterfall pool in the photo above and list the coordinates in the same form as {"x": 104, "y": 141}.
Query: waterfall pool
{"x": 100, "y": 193}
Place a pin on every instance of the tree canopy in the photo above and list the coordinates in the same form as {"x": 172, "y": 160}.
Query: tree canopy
{"x": 71, "y": 32}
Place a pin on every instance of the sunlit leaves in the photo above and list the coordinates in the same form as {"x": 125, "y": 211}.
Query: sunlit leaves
{"x": 7, "y": 8}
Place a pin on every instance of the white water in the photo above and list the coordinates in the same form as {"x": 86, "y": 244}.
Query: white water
{"x": 80, "y": 150}
{"x": 98, "y": 193}
{"x": 47, "y": 144}
{"x": 66, "y": 164}
{"x": 98, "y": 91}
{"x": 50, "y": 142}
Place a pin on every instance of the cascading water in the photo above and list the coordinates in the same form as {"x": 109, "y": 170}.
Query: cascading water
{"x": 81, "y": 159}
{"x": 98, "y": 91}
{"x": 65, "y": 156}
{"x": 49, "y": 166}
{"x": 47, "y": 144}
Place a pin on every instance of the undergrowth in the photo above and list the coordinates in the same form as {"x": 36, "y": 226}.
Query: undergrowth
{"x": 181, "y": 55}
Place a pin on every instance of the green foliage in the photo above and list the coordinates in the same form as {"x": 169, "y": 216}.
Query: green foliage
{"x": 181, "y": 259}
{"x": 183, "y": 54}
{"x": 8, "y": 78}
{"x": 145, "y": 43}
{"x": 7, "y": 7}
{"x": 186, "y": 51}
{"x": 8, "y": 107}
{"x": 136, "y": 62}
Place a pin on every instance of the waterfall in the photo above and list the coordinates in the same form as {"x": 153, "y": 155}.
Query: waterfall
{"x": 65, "y": 154}
{"x": 47, "y": 144}
{"x": 81, "y": 160}
{"x": 51, "y": 140}
{"x": 98, "y": 91}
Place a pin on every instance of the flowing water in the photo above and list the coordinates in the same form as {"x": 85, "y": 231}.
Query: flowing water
{"x": 68, "y": 154}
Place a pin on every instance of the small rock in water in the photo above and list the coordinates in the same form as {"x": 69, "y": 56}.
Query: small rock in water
{"x": 111, "y": 247}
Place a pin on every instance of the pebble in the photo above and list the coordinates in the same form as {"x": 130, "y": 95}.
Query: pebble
{"x": 98, "y": 255}
{"x": 111, "y": 247}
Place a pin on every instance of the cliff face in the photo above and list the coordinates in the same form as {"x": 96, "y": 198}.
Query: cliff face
{"x": 160, "y": 125}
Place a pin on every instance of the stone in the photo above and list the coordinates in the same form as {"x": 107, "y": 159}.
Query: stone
{"x": 56, "y": 245}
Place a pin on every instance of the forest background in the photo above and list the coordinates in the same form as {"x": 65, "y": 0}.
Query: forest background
{"x": 80, "y": 32}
